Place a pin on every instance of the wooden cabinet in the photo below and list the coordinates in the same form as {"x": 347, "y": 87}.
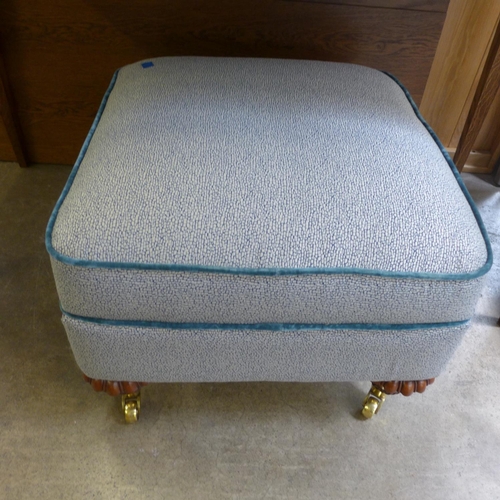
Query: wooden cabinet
{"x": 458, "y": 65}
{"x": 60, "y": 56}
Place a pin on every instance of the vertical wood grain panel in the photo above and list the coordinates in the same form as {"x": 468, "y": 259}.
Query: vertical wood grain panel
{"x": 485, "y": 93}
{"x": 491, "y": 127}
{"x": 495, "y": 152}
{"x": 482, "y": 138}
{"x": 467, "y": 33}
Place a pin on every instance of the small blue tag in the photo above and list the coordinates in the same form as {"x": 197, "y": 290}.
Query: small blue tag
{"x": 147, "y": 64}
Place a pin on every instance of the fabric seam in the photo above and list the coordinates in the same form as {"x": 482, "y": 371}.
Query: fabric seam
{"x": 263, "y": 326}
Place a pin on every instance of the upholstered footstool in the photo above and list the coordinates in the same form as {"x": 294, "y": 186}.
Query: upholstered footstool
{"x": 263, "y": 220}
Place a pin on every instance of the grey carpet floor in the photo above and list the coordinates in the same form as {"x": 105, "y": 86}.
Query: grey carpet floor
{"x": 59, "y": 439}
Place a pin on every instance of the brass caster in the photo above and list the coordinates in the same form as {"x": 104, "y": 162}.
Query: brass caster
{"x": 131, "y": 406}
{"x": 372, "y": 402}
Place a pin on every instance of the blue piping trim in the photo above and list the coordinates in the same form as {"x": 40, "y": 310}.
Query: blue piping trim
{"x": 264, "y": 326}
{"x": 50, "y": 227}
{"x": 262, "y": 271}
{"x": 489, "y": 261}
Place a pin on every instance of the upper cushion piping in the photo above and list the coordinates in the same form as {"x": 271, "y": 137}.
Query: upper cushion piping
{"x": 265, "y": 271}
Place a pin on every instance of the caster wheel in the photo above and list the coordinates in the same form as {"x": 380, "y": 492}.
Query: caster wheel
{"x": 372, "y": 402}
{"x": 131, "y": 405}
{"x": 370, "y": 407}
{"x": 131, "y": 412}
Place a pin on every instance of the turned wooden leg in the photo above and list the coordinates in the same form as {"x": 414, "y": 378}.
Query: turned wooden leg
{"x": 129, "y": 391}
{"x": 379, "y": 390}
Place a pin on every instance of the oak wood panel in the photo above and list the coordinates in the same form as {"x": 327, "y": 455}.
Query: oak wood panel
{"x": 495, "y": 153}
{"x": 457, "y": 66}
{"x": 487, "y": 142}
{"x": 486, "y": 90}
{"x": 477, "y": 162}
{"x": 491, "y": 127}
{"x": 61, "y": 55}
{"x": 482, "y": 138}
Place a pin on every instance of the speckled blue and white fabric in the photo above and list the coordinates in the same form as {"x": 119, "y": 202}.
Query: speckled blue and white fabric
{"x": 154, "y": 295}
{"x": 243, "y": 191}
{"x": 149, "y": 354}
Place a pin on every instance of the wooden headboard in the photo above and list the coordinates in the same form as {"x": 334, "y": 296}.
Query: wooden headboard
{"x": 60, "y": 55}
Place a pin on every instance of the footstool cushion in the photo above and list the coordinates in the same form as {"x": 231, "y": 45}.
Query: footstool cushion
{"x": 253, "y": 219}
